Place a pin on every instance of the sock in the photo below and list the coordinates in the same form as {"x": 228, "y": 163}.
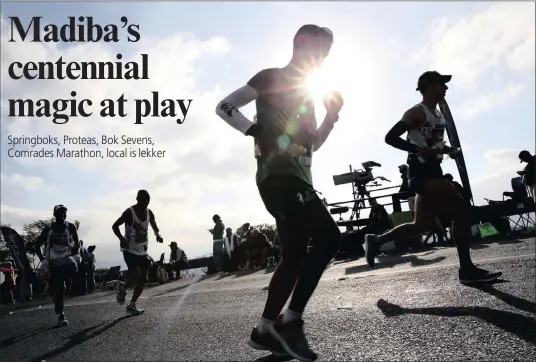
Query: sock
{"x": 290, "y": 316}
{"x": 265, "y": 325}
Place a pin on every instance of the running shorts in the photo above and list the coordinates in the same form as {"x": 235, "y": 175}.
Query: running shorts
{"x": 419, "y": 173}
{"x": 135, "y": 262}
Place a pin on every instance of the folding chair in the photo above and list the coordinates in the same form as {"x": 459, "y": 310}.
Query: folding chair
{"x": 524, "y": 205}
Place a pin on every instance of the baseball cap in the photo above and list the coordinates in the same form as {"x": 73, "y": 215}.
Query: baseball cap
{"x": 59, "y": 207}
{"x": 432, "y": 77}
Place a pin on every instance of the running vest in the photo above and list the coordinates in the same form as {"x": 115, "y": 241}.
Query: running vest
{"x": 430, "y": 134}
{"x": 285, "y": 113}
{"x": 59, "y": 244}
{"x": 137, "y": 234}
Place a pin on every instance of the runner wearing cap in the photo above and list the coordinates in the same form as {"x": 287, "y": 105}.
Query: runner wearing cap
{"x": 62, "y": 256}
{"x": 286, "y": 134}
{"x": 134, "y": 247}
{"x": 425, "y": 144}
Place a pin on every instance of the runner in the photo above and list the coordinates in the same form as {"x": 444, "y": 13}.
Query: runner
{"x": 62, "y": 256}
{"x": 134, "y": 247}
{"x": 286, "y": 135}
{"x": 426, "y": 127}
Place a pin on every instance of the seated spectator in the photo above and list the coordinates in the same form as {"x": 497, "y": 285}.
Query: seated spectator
{"x": 379, "y": 220}
{"x": 177, "y": 261}
{"x": 529, "y": 173}
{"x": 257, "y": 250}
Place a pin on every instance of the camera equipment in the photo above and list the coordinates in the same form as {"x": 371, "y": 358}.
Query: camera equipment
{"x": 360, "y": 181}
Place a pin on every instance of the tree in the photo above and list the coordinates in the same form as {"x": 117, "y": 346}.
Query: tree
{"x": 31, "y": 231}
{"x": 268, "y": 229}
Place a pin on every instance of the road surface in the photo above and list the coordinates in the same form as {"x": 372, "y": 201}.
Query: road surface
{"x": 427, "y": 315}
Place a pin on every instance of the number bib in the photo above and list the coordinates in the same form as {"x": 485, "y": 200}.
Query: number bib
{"x": 59, "y": 252}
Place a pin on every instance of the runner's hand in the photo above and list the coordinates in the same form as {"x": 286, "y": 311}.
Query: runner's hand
{"x": 454, "y": 154}
{"x": 428, "y": 153}
{"x": 333, "y": 102}
{"x": 159, "y": 238}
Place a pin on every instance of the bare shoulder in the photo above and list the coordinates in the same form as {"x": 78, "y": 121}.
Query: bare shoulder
{"x": 414, "y": 117}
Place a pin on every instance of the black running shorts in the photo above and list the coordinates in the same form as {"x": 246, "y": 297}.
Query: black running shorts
{"x": 135, "y": 262}
{"x": 419, "y": 173}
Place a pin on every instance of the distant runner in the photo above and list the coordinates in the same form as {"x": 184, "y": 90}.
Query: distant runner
{"x": 425, "y": 126}
{"x": 62, "y": 256}
{"x": 286, "y": 135}
{"x": 134, "y": 247}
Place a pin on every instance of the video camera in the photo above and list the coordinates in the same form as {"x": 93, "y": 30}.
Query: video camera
{"x": 360, "y": 177}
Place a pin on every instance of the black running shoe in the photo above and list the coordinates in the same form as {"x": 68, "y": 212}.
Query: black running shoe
{"x": 371, "y": 248}
{"x": 62, "y": 321}
{"x": 292, "y": 338}
{"x": 266, "y": 342}
{"x": 477, "y": 275}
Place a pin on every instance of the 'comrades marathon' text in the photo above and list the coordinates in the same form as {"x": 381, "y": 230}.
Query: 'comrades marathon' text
{"x": 59, "y": 152}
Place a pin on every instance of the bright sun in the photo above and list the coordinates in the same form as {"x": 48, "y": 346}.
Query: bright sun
{"x": 318, "y": 83}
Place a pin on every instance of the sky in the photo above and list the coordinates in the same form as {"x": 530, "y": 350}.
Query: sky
{"x": 203, "y": 51}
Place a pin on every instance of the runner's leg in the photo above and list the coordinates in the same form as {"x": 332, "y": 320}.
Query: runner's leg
{"x": 132, "y": 276}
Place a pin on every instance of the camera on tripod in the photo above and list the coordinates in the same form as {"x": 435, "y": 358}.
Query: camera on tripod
{"x": 359, "y": 177}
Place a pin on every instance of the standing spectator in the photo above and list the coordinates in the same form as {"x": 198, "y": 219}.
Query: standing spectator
{"x": 529, "y": 173}
{"x": 92, "y": 266}
{"x": 217, "y": 241}
{"x": 229, "y": 246}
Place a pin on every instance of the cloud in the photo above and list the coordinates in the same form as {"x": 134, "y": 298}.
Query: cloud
{"x": 490, "y": 101}
{"x": 29, "y": 183}
{"x": 501, "y": 36}
{"x": 502, "y": 155}
{"x": 492, "y": 185}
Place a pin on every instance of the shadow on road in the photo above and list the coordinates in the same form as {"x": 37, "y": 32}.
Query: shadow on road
{"x": 391, "y": 262}
{"x": 512, "y": 300}
{"x": 79, "y": 338}
{"x": 519, "y": 325}
{"x": 21, "y": 337}
{"x": 173, "y": 289}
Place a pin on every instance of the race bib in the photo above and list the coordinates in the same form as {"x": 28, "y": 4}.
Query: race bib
{"x": 59, "y": 252}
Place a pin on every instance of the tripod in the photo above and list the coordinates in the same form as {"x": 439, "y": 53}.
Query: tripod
{"x": 359, "y": 191}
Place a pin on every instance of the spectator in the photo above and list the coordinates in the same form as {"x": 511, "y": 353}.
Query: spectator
{"x": 217, "y": 241}
{"x": 459, "y": 187}
{"x": 177, "y": 261}
{"x": 229, "y": 246}
{"x": 257, "y": 251}
{"x": 92, "y": 266}
{"x": 529, "y": 173}
{"x": 378, "y": 218}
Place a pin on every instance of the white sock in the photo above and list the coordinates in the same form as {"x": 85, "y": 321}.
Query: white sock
{"x": 290, "y": 316}
{"x": 265, "y": 325}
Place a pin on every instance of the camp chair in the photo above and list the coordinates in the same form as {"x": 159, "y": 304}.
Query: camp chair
{"x": 516, "y": 203}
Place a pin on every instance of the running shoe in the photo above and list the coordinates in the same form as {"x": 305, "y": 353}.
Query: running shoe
{"x": 371, "y": 248}
{"x": 477, "y": 275}
{"x": 62, "y": 321}
{"x": 132, "y": 309}
{"x": 121, "y": 293}
{"x": 292, "y": 339}
{"x": 266, "y": 342}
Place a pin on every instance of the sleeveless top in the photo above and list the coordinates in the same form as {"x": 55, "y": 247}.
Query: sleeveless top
{"x": 430, "y": 134}
{"x": 137, "y": 234}
{"x": 59, "y": 244}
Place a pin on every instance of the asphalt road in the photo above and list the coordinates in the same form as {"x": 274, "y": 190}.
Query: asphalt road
{"x": 427, "y": 315}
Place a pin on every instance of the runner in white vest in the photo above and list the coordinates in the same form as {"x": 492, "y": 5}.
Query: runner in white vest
{"x": 425, "y": 145}
{"x": 62, "y": 256}
{"x": 134, "y": 244}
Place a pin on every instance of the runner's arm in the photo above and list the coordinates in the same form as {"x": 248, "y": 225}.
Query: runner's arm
{"x": 324, "y": 130}
{"x": 40, "y": 241}
{"x": 228, "y": 110}
{"x": 74, "y": 234}
{"x": 152, "y": 221}
{"x": 412, "y": 119}
{"x": 115, "y": 227}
